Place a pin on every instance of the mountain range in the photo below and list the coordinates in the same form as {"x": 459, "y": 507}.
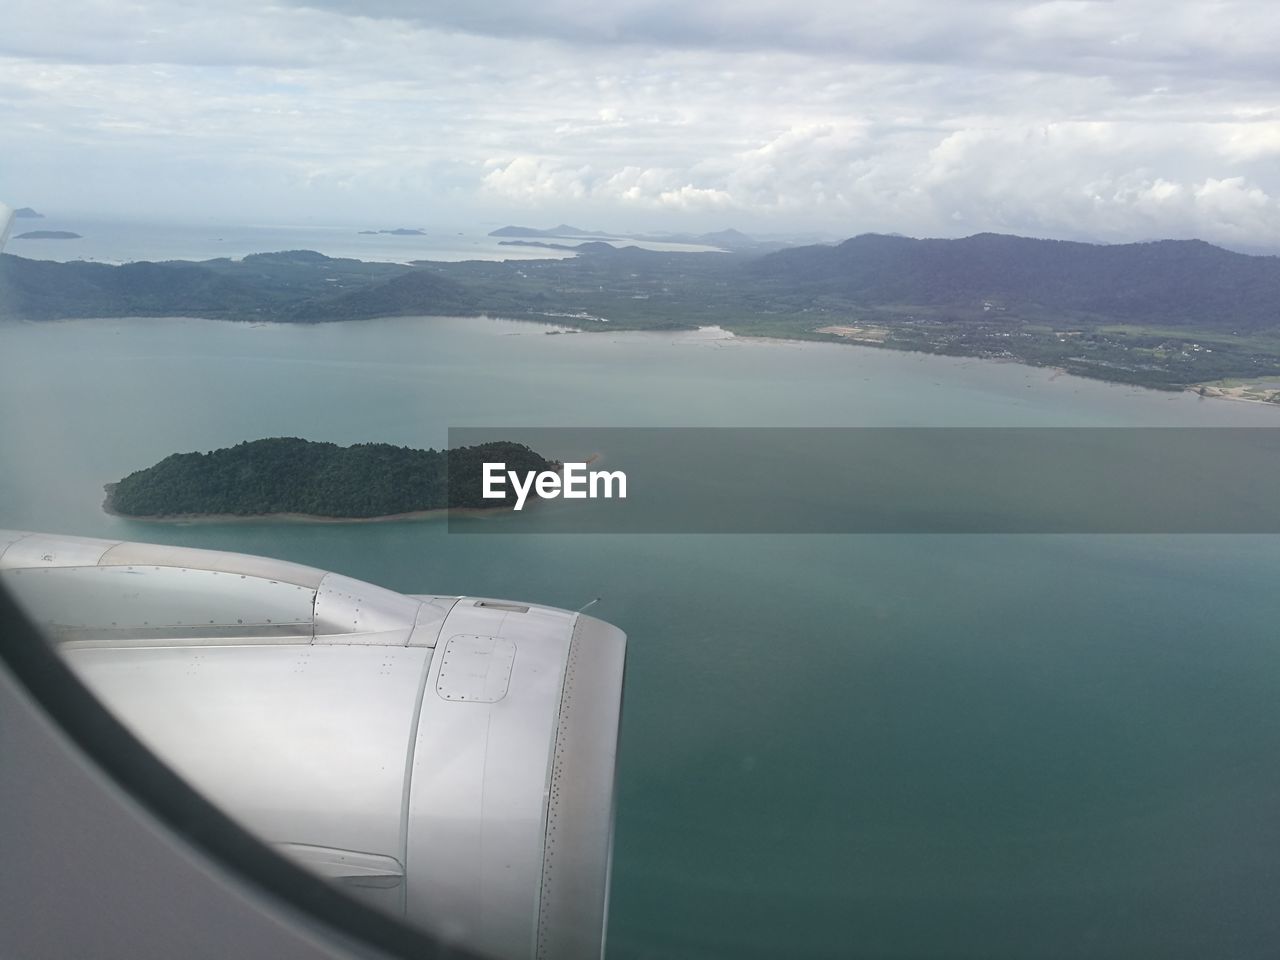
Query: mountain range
{"x": 1178, "y": 282}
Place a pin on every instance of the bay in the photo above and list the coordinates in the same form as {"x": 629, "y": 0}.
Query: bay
{"x": 833, "y": 746}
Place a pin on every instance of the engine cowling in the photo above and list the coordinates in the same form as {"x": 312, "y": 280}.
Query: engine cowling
{"x": 449, "y": 759}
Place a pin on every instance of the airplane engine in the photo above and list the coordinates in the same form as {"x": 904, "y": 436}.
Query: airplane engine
{"x": 449, "y": 759}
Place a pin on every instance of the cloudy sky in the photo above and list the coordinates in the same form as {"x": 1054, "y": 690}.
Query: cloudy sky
{"x": 1086, "y": 119}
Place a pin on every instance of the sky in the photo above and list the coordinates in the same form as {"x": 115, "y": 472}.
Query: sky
{"x": 1104, "y": 120}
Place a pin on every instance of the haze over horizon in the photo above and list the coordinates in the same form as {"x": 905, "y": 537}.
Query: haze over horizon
{"x": 1070, "y": 119}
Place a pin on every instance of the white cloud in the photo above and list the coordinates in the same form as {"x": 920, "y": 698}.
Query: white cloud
{"x": 1249, "y": 142}
{"x": 1065, "y": 118}
{"x": 689, "y": 197}
{"x": 528, "y": 180}
{"x": 539, "y": 183}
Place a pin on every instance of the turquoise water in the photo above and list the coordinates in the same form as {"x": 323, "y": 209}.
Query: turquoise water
{"x": 833, "y": 746}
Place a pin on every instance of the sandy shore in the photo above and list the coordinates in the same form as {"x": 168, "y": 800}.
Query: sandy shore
{"x": 1246, "y": 392}
{"x": 862, "y": 333}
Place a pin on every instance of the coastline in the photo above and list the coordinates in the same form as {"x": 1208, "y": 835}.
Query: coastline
{"x": 186, "y": 519}
{"x": 192, "y": 519}
{"x": 1208, "y": 390}
{"x": 1239, "y": 393}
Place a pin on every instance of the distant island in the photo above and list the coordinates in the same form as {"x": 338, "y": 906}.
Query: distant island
{"x": 26, "y": 213}
{"x": 585, "y": 246}
{"x": 563, "y": 230}
{"x": 731, "y": 240}
{"x": 399, "y": 232}
{"x": 48, "y": 235}
{"x": 292, "y": 478}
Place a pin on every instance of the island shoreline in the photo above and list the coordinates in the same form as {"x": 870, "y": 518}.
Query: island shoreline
{"x": 193, "y": 519}
{"x": 181, "y": 519}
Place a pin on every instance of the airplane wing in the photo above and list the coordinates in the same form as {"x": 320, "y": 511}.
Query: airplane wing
{"x": 448, "y": 759}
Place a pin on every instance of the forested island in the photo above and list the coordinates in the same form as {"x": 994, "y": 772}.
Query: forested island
{"x": 288, "y": 476}
{"x": 1173, "y": 314}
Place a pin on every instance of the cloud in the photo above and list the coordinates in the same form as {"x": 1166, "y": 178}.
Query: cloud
{"x": 1103, "y": 180}
{"x": 529, "y": 180}
{"x": 1063, "y": 118}
{"x": 536, "y": 183}
{"x": 1067, "y": 35}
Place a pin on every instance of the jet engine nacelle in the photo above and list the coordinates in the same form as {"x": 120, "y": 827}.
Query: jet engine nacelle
{"x": 450, "y": 759}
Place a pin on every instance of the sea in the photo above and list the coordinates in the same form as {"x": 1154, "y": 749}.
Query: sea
{"x": 126, "y": 241}
{"x": 879, "y": 746}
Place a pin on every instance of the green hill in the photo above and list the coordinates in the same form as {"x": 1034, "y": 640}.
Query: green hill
{"x": 1180, "y": 282}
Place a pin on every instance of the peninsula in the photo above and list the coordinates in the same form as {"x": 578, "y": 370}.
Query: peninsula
{"x": 1172, "y": 314}
{"x": 292, "y": 478}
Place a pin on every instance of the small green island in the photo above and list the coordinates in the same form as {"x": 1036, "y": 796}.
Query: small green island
{"x": 48, "y": 235}
{"x": 288, "y": 477}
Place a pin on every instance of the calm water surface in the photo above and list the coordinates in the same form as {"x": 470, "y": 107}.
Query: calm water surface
{"x": 124, "y": 241}
{"x": 914, "y": 746}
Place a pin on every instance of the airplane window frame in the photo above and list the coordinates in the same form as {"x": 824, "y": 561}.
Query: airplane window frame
{"x": 116, "y": 752}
